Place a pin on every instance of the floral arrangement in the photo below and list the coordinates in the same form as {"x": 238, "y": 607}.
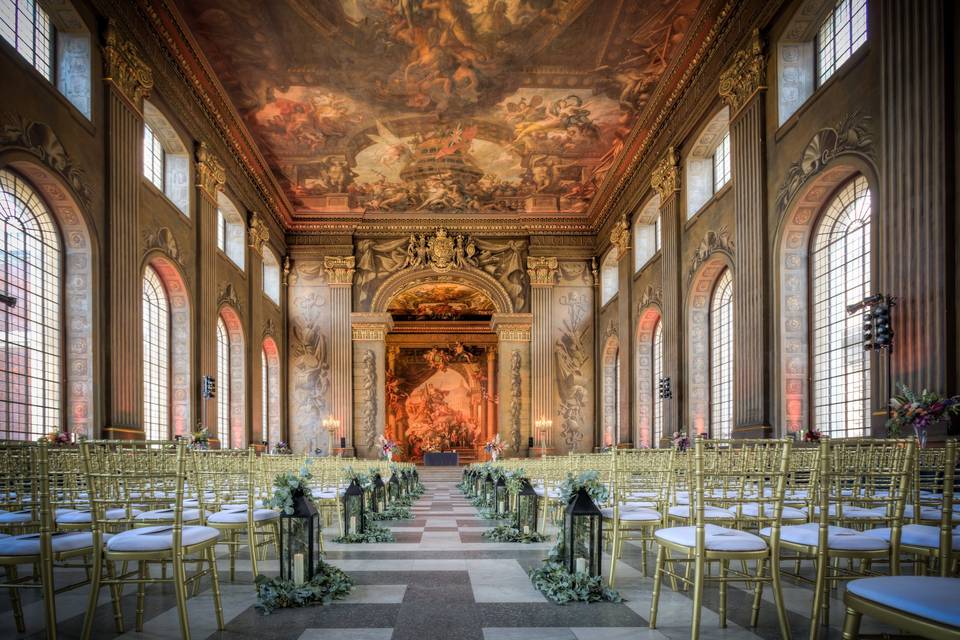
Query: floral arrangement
{"x": 555, "y": 582}
{"x": 589, "y": 480}
{"x": 56, "y": 437}
{"x": 811, "y": 435}
{"x": 919, "y": 410}
{"x": 288, "y": 485}
{"x": 200, "y": 439}
{"x": 387, "y": 446}
{"x": 681, "y": 441}
{"x": 495, "y": 447}
{"x": 328, "y": 583}
{"x": 282, "y": 448}
{"x": 371, "y": 533}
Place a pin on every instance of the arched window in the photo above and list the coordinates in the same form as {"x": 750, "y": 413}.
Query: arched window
{"x": 840, "y": 270}
{"x": 271, "y": 275}
{"x": 230, "y": 231}
{"x": 657, "y": 352}
{"x": 270, "y": 398}
{"x": 646, "y": 233}
{"x": 721, "y": 357}
{"x": 609, "y": 278}
{"x": 31, "y": 395}
{"x": 156, "y": 357}
{"x": 264, "y": 398}
{"x": 166, "y": 164}
{"x": 223, "y": 381}
{"x": 708, "y": 162}
{"x": 611, "y": 392}
{"x": 231, "y": 374}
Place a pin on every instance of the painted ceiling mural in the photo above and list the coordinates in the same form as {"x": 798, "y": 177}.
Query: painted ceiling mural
{"x": 441, "y": 302}
{"x": 440, "y": 105}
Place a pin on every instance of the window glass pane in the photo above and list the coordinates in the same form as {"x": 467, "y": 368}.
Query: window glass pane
{"x": 840, "y": 270}
{"x": 26, "y": 27}
{"x": 223, "y": 382}
{"x": 221, "y": 231}
{"x": 30, "y": 340}
{"x": 609, "y": 278}
{"x": 152, "y": 157}
{"x": 264, "y": 396}
{"x": 841, "y": 33}
{"x": 156, "y": 358}
{"x": 657, "y": 374}
{"x": 721, "y": 358}
{"x": 721, "y": 163}
{"x": 656, "y": 233}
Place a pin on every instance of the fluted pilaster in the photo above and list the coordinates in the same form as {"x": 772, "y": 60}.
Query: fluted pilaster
{"x": 340, "y": 271}
{"x": 543, "y": 278}
{"x": 513, "y": 378}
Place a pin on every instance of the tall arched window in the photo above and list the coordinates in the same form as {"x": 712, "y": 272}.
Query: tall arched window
{"x": 721, "y": 357}
{"x": 840, "y": 268}
{"x": 223, "y": 381}
{"x": 270, "y": 385}
{"x": 609, "y": 277}
{"x": 657, "y": 352}
{"x": 264, "y": 398}
{"x": 30, "y": 314}
{"x": 156, "y": 357}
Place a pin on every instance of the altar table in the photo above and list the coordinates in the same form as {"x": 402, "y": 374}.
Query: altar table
{"x": 441, "y": 459}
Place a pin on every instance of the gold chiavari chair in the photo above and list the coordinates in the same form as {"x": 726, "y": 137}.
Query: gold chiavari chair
{"x": 145, "y": 475}
{"x": 755, "y": 470}
{"x": 924, "y": 606}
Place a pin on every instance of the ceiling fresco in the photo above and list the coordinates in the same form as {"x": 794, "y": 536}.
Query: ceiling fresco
{"x": 424, "y": 106}
{"x": 441, "y": 302}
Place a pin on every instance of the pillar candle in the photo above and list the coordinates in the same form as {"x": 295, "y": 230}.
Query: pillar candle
{"x": 581, "y": 564}
{"x": 298, "y": 571}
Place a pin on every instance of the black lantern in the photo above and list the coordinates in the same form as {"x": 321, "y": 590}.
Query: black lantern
{"x": 378, "y": 494}
{"x": 489, "y": 488}
{"x": 353, "y": 509}
{"x": 405, "y": 481}
{"x": 527, "y": 503}
{"x": 416, "y": 478}
{"x": 582, "y": 534}
{"x": 393, "y": 488}
{"x": 501, "y": 497}
{"x": 299, "y": 539}
{"x": 477, "y": 483}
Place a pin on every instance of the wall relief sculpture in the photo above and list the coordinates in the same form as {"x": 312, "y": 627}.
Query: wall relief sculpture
{"x": 712, "y": 242}
{"x": 650, "y": 295}
{"x": 228, "y": 296}
{"x": 573, "y": 371}
{"x": 515, "y": 400}
{"x": 309, "y": 368}
{"x": 162, "y": 239}
{"x": 368, "y": 397}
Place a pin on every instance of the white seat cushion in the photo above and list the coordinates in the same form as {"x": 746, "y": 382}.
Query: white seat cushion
{"x": 159, "y": 538}
{"x": 237, "y": 516}
{"x": 84, "y": 516}
{"x": 26, "y": 515}
{"x": 927, "y": 597}
{"x": 850, "y": 512}
{"x": 29, "y": 544}
{"x": 257, "y": 504}
{"x": 325, "y": 495}
{"x": 916, "y": 535}
{"x": 752, "y": 509}
{"x": 838, "y": 538}
{"x": 632, "y": 515}
{"x": 710, "y": 513}
{"x": 715, "y": 538}
{"x": 189, "y": 515}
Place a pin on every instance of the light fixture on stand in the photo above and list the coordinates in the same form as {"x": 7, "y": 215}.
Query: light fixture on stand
{"x": 543, "y": 427}
{"x": 877, "y": 330}
{"x": 332, "y": 425}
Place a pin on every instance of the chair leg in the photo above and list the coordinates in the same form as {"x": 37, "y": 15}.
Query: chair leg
{"x": 657, "y": 577}
{"x": 252, "y": 543}
{"x": 180, "y": 589}
{"x": 758, "y": 593}
{"x": 92, "y": 599}
{"x": 115, "y": 593}
{"x": 699, "y": 572}
{"x": 778, "y": 596}
{"x": 15, "y": 603}
{"x": 215, "y": 580}
{"x": 724, "y": 564}
{"x": 49, "y": 601}
{"x": 851, "y": 625}
{"x": 614, "y": 554}
{"x": 232, "y": 543}
{"x": 820, "y": 593}
{"x": 141, "y": 592}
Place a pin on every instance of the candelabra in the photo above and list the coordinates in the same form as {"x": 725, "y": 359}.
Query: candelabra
{"x": 543, "y": 427}
{"x": 332, "y": 425}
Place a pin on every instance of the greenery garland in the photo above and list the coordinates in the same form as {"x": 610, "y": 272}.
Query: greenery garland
{"x": 509, "y": 533}
{"x": 285, "y": 485}
{"x": 560, "y": 586}
{"x": 328, "y": 583}
{"x": 489, "y": 514}
{"x": 372, "y": 533}
{"x": 392, "y": 512}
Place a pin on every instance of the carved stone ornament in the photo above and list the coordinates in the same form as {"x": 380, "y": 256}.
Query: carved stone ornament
{"x": 211, "y": 176}
{"x": 125, "y": 69}
{"x": 228, "y": 296}
{"x": 713, "y": 242}
{"x": 512, "y": 327}
{"x": 258, "y": 233}
{"x": 286, "y": 270}
{"x": 515, "y": 399}
{"x": 620, "y": 236}
{"x": 851, "y": 135}
{"x": 162, "y": 239}
{"x": 542, "y": 271}
{"x": 650, "y": 295}
{"x": 442, "y": 252}
{"x": 595, "y": 270}
{"x": 370, "y": 326}
{"x": 269, "y": 328}
{"x": 368, "y": 397}
{"x": 665, "y": 178}
{"x": 42, "y": 142}
{"x": 611, "y": 330}
{"x": 745, "y": 76}
{"x": 339, "y": 269}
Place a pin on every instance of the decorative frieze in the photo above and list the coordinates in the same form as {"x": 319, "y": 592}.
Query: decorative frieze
{"x": 339, "y": 270}
{"x": 512, "y": 327}
{"x": 542, "y": 271}
{"x": 620, "y": 236}
{"x": 163, "y": 240}
{"x": 370, "y": 326}
{"x": 712, "y": 242}
{"x": 665, "y": 178}
{"x": 125, "y": 70}
{"x": 258, "y": 233}
{"x": 211, "y": 176}
{"x": 745, "y": 76}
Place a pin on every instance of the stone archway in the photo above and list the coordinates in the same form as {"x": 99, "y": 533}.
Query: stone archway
{"x": 470, "y": 276}
{"x": 238, "y": 436}
{"x": 698, "y": 340}
{"x": 646, "y": 389}
{"x": 610, "y": 390}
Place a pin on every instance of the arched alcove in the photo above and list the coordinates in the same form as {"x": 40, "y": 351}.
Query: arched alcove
{"x": 646, "y": 386}
{"x": 469, "y": 277}
{"x": 699, "y": 178}
{"x": 698, "y": 340}
{"x": 180, "y": 342}
{"x": 236, "y": 386}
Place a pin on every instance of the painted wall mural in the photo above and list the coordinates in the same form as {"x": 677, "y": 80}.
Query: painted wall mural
{"x": 441, "y": 302}
{"x": 572, "y": 349}
{"x": 440, "y": 105}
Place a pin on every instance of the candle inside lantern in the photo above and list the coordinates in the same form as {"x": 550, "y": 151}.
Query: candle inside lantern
{"x": 298, "y": 568}
{"x": 526, "y": 529}
{"x": 581, "y": 564}
{"x": 500, "y": 508}
{"x": 353, "y": 524}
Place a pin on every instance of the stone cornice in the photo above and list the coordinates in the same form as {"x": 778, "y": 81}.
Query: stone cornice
{"x": 542, "y": 271}
{"x": 211, "y": 175}
{"x": 370, "y": 326}
{"x": 745, "y": 77}
{"x": 124, "y": 69}
{"x": 340, "y": 270}
{"x": 512, "y": 327}
{"x": 665, "y": 178}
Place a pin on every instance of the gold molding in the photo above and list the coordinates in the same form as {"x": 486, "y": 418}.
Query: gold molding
{"x": 665, "y": 178}
{"x": 370, "y": 326}
{"x": 620, "y": 236}
{"x": 340, "y": 270}
{"x": 746, "y": 76}
{"x": 211, "y": 176}
{"x": 512, "y": 327}
{"x": 258, "y": 233}
{"x": 542, "y": 271}
{"x": 125, "y": 70}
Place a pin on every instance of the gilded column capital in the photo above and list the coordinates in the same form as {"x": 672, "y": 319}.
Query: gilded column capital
{"x": 746, "y": 75}
{"x": 339, "y": 270}
{"x": 542, "y": 271}
{"x": 620, "y": 236}
{"x": 512, "y": 327}
{"x": 125, "y": 70}
{"x": 286, "y": 271}
{"x": 211, "y": 176}
{"x": 665, "y": 178}
{"x": 258, "y": 233}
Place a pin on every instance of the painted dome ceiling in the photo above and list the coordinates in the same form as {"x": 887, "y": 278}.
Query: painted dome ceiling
{"x": 426, "y": 106}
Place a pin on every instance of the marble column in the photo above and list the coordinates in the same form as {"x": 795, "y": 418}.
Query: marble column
{"x": 742, "y": 87}
{"x": 340, "y": 280}
{"x": 543, "y": 278}
{"x": 911, "y": 219}
{"x": 513, "y": 379}
{"x": 210, "y": 178}
{"x": 129, "y": 81}
{"x": 369, "y": 333}
{"x": 258, "y": 235}
{"x": 666, "y": 181}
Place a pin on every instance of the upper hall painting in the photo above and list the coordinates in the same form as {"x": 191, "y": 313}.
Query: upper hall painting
{"x": 423, "y": 106}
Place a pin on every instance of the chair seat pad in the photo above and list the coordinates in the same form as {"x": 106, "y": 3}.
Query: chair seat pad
{"x": 159, "y": 538}
{"x": 189, "y": 515}
{"x": 710, "y": 513}
{"x": 752, "y": 510}
{"x": 838, "y": 538}
{"x": 85, "y": 516}
{"x": 29, "y": 544}
{"x": 715, "y": 538}
{"x": 238, "y": 516}
{"x": 916, "y": 535}
{"x": 241, "y": 506}
{"x": 850, "y": 512}
{"x": 928, "y": 512}
{"x": 325, "y": 494}
{"x": 928, "y": 597}
{"x": 26, "y": 515}
{"x": 632, "y": 515}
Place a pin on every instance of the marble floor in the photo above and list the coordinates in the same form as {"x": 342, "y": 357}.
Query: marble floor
{"x": 440, "y": 580}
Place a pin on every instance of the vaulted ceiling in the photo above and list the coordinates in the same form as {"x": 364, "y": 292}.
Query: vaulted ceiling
{"x": 425, "y": 107}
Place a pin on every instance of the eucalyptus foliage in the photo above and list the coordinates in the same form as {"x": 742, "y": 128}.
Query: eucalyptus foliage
{"x": 285, "y": 485}
{"x": 509, "y": 533}
{"x": 589, "y": 480}
{"x": 553, "y": 581}
{"x": 328, "y": 583}
{"x": 371, "y": 533}
{"x": 487, "y": 513}
{"x": 393, "y": 511}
